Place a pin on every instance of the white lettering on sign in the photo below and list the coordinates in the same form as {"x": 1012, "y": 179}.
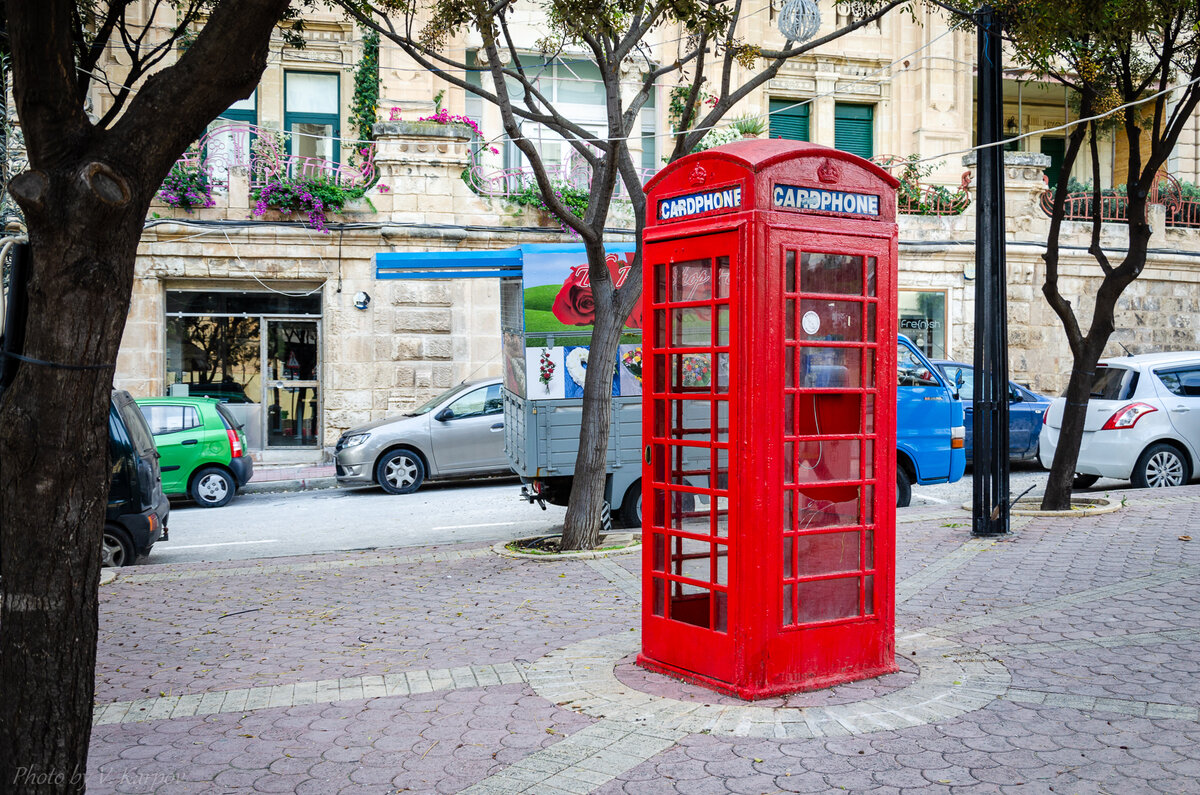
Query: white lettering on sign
{"x": 699, "y": 203}
{"x": 792, "y": 197}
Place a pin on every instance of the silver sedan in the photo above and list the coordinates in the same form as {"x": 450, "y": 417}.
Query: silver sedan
{"x": 458, "y": 434}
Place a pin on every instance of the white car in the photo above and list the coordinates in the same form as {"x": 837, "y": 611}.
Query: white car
{"x": 1142, "y": 423}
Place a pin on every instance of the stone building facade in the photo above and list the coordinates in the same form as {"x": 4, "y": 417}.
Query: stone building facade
{"x": 281, "y": 305}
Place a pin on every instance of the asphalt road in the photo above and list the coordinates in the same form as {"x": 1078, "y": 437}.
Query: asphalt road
{"x": 334, "y": 520}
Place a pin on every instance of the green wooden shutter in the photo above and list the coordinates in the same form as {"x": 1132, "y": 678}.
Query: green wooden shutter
{"x": 789, "y": 120}
{"x": 854, "y": 129}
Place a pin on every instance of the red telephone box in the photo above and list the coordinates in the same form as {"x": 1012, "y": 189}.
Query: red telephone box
{"x": 769, "y": 419}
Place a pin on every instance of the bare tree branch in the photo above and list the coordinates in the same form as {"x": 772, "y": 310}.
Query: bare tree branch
{"x": 1050, "y": 288}
{"x": 1097, "y": 201}
{"x": 228, "y": 47}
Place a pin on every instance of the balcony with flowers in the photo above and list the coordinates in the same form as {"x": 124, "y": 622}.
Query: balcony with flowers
{"x": 247, "y": 170}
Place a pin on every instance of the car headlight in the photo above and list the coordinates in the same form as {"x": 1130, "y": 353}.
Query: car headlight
{"x": 355, "y": 440}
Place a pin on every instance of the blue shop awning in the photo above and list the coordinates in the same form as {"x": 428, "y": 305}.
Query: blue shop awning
{"x": 485, "y": 264}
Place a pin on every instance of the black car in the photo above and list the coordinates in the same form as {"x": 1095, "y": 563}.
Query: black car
{"x": 137, "y": 511}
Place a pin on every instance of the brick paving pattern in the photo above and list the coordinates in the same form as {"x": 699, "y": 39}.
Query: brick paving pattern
{"x": 1063, "y": 658}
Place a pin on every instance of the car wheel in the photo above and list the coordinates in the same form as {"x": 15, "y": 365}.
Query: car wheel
{"x": 400, "y": 472}
{"x": 116, "y": 548}
{"x": 212, "y": 487}
{"x": 631, "y": 506}
{"x": 903, "y": 488}
{"x": 1160, "y": 466}
{"x": 1084, "y": 481}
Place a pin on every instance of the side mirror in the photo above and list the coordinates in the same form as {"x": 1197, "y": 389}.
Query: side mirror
{"x": 959, "y": 380}
{"x": 444, "y": 414}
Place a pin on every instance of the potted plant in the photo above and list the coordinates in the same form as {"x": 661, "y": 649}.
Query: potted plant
{"x": 750, "y": 126}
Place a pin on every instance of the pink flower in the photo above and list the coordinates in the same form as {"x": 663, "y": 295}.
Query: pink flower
{"x": 395, "y": 115}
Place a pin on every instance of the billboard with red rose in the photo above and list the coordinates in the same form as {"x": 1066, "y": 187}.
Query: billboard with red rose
{"x": 558, "y": 311}
{"x": 558, "y": 292}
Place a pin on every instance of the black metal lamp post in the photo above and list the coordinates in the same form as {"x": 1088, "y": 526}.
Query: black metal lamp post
{"x": 990, "y": 503}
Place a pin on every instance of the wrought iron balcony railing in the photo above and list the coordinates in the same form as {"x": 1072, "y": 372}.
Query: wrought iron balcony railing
{"x": 263, "y": 152}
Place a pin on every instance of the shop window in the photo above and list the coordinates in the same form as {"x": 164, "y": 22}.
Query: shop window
{"x": 789, "y": 119}
{"x": 854, "y": 129}
{"x": 310, "y": 114}
{"x": 923, "y": 320}
{"x": 217, "y": 357}
{"x": 259, "y": 353}
{"x": 220, "y": 302}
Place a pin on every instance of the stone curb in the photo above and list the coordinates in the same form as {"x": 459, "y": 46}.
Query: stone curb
{"x": 501, "y": 549}
{"x": 299, "y": 484}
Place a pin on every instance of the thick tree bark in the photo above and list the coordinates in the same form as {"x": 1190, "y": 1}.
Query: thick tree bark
{"x": 85, "y": 200}
{"x": 54, "y": 476}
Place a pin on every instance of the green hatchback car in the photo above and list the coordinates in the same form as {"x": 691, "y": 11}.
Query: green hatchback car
{"x": 201, "y": 448}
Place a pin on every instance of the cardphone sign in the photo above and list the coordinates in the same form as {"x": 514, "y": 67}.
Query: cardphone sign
{"x": 678, "y": 208}
{"x": 793, "y": 197}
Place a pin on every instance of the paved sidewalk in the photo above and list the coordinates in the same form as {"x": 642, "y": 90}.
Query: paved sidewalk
{"x": 286, "y": 477}
{"x": 1062, "y": 659}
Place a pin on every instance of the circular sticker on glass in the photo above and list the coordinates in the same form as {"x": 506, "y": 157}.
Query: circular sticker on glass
{"x": 811, "y": 323}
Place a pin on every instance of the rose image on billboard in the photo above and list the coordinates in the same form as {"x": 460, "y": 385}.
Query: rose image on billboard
{"x": 574, "y": 304}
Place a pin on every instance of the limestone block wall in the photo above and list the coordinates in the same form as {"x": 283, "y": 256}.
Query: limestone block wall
{"x": 415, "y": 339}
{"x": 1159, "y": 311}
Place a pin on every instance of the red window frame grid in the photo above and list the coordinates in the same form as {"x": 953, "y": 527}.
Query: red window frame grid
{"x": 669, "y": 392}
{"x": 865, "y": 529}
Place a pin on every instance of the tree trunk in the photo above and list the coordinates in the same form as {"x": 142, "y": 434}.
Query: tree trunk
{"x": 85, "y": 199}
{"x": 1066, "y": 454}
{"x": 54, "y": 478}
{"x": 581, "y": 527}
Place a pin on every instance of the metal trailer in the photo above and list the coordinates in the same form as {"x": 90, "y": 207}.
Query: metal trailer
{"x": 542, "y": 431}
{"x": 541, "y": 439}
{"x": 541, "y": 434}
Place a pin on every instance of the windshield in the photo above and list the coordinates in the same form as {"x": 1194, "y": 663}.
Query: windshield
{"x": 1113, "y": 383}
{"x": 437, "y": 401}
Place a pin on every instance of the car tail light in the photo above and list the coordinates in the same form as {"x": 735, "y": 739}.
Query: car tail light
{"x": 1127, "y": 416}
{"x": 958, "y": 438}
{"x": 235, "y": 444}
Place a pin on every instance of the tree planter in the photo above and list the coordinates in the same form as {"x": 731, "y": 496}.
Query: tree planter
{"x": 545, "y": 547}
{"x": 1080, "y": 506}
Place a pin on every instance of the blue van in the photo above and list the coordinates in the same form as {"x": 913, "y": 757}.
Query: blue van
{"x": 930, "y": 435}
